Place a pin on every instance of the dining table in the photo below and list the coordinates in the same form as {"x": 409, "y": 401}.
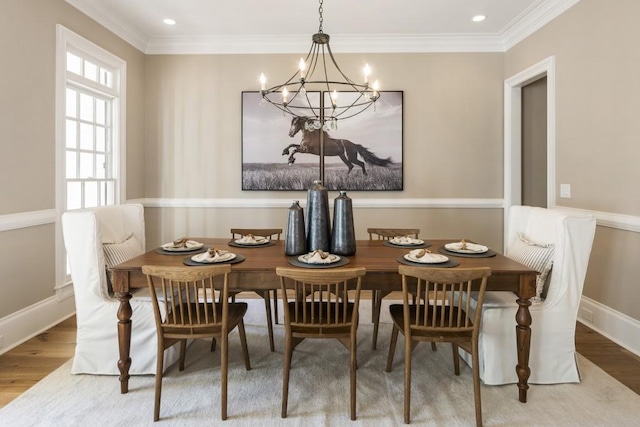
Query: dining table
{"x": 381, "y": 260}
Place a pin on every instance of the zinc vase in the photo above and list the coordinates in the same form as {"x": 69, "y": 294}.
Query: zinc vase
{"x": 318, "y": 220}
{"x": 295, "y": 242}
{"x": 343, "y": 239}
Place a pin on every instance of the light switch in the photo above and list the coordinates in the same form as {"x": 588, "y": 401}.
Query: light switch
{"x": 565, "y": 191}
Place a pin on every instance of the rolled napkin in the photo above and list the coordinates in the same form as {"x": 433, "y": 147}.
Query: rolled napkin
{"x": 183, "y": 243}
{"x": 405, "y": 240}
{"x": 213, "y": 255}
{"x": 425, "y": 256}
{"x": 419, "y": 253}
{"x": 180, "y": 243}
{"x": 466, "y": 247}
{"x": 320, "y": 257}
{"x": 251, "y": 239}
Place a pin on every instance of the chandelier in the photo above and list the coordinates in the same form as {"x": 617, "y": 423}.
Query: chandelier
{"x": 320, "y": 75}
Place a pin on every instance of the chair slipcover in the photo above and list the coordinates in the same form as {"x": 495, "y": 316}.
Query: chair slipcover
{"x": 84, "y": 232}
{"x": 552, "y": 356}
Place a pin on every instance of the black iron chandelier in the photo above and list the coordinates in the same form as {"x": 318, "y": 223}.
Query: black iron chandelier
{"x": 317, "y": 74}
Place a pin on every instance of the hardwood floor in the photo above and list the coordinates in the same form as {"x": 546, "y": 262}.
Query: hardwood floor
{"x": 25, "y": 365}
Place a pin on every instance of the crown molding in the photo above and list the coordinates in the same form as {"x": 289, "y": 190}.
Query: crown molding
{"x": 531, "y": 20}
{"x": 341, "y": 43}
{"x": 106, "y": 18}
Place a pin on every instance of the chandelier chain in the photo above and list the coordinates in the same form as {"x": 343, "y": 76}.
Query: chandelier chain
{"x": 320, "y": 10}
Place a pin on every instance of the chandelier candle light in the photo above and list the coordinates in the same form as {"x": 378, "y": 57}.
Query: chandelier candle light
{"x": 292, "y": 96}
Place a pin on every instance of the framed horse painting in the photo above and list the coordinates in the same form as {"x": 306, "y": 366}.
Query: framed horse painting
{"x": 361, "y": 153}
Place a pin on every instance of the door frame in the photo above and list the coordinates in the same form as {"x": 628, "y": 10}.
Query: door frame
{"x": 513, "y": 134}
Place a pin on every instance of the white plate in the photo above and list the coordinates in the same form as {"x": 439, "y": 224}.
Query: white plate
{"x": 204, "y": 257}
{"x": 260, "y": 241}
{"x": 192, "y": 245}
{"x": 472, "y": 248}
{"x": 428, "y": 258}
{"x": 328, "y": 260}
{"x": 413, "y": 242}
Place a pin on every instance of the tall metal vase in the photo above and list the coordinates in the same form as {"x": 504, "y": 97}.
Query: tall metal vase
{"x": 343, "y": 239}
{"x": 295, "y": 242}
{"x": 318, "y": 220}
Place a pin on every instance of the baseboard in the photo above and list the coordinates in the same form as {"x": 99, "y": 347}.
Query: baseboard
{"x": 23, "y": 325}
{"x": 618, "y": 327}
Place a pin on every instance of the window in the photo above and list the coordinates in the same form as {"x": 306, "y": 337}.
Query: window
{"x": 90, "y": 169}
{"x": 90, "y": 100}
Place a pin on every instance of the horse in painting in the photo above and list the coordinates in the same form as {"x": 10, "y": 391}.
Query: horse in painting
{"x": 343, "y": 148}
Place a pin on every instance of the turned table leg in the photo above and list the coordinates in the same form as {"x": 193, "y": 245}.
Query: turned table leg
{"x": 121, "y": 285}
{"x": 523, "y": 340}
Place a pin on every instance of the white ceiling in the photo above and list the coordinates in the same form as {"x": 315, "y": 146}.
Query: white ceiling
{"x": 283, "y": 26}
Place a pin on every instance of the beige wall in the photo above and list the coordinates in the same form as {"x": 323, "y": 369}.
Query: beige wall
{"x": 597, "y": 128}
{"x": 27, "y": 135}
{"x": 452, "y": 122}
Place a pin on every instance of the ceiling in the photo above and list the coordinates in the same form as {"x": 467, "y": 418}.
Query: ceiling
{"x": 286, "y": 26}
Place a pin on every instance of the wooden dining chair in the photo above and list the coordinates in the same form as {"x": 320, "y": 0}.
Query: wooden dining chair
{"x": 271, "y": 234}
{"x": 427, "y": 319}
{"x": 376, "y": 296}
{"x": 320, "y": 303}
{"x": 181, "y": 315}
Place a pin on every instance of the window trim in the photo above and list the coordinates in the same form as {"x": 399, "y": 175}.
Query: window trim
{"x": 67, "y": 40}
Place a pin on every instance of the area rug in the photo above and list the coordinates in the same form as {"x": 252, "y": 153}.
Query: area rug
{"x": 319, "y": 390}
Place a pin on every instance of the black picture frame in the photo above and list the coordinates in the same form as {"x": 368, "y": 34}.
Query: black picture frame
{"x": 266, "y": 147}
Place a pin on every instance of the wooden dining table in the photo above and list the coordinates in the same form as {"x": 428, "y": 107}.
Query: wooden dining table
{"x": 257, "y": 271}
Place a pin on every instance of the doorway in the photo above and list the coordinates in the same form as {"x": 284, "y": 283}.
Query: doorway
{"x": 513, "y": 168}
{"x": 534, "y": 143}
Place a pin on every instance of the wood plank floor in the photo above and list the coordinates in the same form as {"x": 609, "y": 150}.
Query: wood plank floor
{"x": 25, "y": 365}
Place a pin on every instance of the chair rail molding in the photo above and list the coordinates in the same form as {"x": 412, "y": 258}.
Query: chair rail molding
{"x": 609, "y": 219}
{"x": 27, "y": 219}
{"x": 378, "y": 203}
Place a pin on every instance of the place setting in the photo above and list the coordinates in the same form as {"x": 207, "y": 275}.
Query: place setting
{"x": 426, "y": 258}
{"x": 181, "y": 246}
{"x": 318, "y": 259}
{"x": 213, "y": 256}
{"x": 251, "y": 241}
{"x": 467, "y": 250}
{"x": 406, "y": 242}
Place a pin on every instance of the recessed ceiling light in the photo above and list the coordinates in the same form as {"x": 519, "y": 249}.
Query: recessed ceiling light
{"x": 169, "y": 21}
{"x": 478, "y": 18}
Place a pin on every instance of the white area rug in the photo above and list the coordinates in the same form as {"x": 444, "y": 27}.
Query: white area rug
{"x": 319, "y": 390}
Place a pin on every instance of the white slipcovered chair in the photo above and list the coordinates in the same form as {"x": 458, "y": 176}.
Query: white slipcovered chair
{"x": 87, "y": 233}
{"x": 552, "y": 356}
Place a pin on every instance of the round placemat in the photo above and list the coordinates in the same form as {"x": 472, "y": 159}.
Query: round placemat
{"x": 487, "y": 254}
{"x": 450, "y": 263}
{"x": 342, "y": 261}
{"x": 183, "y": 253}
{"x": 189, "y": 261}
{"x": 421, "y": 245}
{"x": 240, "y": 245}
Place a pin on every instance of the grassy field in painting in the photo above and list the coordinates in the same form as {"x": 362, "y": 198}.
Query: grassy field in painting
{"x": 272, "y": 176}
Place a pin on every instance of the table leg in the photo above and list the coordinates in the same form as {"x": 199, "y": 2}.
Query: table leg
{"x": 124, "y": 339}
{"x": 523, "y": 340}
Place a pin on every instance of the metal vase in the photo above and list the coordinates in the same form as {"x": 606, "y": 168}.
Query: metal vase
{"x": 295, "y": 242}
{"x": 343, "y": 239}
{"x": 318, "y": 219}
